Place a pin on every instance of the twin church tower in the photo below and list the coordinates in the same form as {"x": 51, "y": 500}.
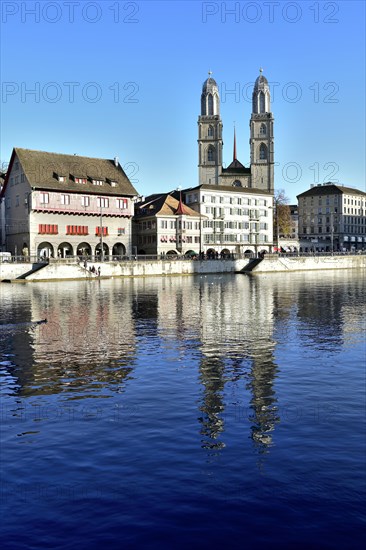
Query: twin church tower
{"x": 260, "y": 174}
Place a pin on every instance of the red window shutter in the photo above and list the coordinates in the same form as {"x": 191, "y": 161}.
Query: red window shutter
{"x": 56, "y": 229}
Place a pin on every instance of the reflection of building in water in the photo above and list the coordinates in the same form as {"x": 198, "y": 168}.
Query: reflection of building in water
{"x": 212, "y": 378}
{"x": 88, "y": 341}
{"x": 263, "y": 403}
{"x": 323, "y": 304}
{"x": 228, "y": 322}
{"x": 239, "y": 336}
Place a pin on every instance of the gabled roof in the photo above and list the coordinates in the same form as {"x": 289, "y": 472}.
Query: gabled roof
{"x": 329, "y": 189}
{"x": 236, "y": 166}
{"x": 162, "y": 205}
{"x": 42, "y": 170}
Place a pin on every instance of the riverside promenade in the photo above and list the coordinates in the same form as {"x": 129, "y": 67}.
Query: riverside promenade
{"x": 36, "y": 270}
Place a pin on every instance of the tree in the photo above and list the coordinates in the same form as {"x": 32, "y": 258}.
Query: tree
{"x": 282, "y": 214}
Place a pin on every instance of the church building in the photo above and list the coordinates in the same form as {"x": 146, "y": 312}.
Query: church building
{"x": 237, "y": 200}
{"x": 260, "y": 174}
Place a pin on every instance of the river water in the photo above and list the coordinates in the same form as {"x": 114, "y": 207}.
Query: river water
{"x": 184, "y": 412}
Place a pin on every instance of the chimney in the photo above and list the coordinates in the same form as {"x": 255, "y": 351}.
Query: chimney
{"x": 116, "y": 161}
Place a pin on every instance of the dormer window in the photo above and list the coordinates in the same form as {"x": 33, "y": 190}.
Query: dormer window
{"x": 79, "y": 179}
{"x": 112, "y": 183}
{"x": 59, "y": 177}
{"x": 97, "y": 182}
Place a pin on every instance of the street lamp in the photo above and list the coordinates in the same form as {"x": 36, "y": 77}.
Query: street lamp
{"x": 200, "y": 236}
{"x": 101, "y": 232}
{"x": 331, "y": 233}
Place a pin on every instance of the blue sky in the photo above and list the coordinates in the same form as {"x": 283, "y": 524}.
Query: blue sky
{"x": 124, "y": 79}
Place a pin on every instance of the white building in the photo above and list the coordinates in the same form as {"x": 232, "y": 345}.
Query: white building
{"x": 239, "y": 220}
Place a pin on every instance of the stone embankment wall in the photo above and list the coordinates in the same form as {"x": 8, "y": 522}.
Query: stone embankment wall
{"x": 274, "y": 263}
{"x": 57, "y": 270}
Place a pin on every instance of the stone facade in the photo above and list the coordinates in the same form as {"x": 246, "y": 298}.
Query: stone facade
{"x": 260, "y": 174}
{"x": 332, "y": 217}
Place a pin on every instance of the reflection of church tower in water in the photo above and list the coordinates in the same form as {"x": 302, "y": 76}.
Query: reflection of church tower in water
{"x": 263, "y": 414}
{"x": 212, "y": 377}
{"x": 238, "y": 346}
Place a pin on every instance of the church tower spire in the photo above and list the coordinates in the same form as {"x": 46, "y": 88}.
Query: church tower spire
{"x": 261, "y": 136}
{"x": 234, "y": 152}
{"x": 209, "y": 134}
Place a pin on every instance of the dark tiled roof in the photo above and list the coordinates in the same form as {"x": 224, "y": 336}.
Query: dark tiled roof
{"x": 236, "y": 166}
{"x": 41, "y": 170}
{"x": 162, "y": 205}
{"x": 228, "y": 188}
{"x": 331, "y": 189}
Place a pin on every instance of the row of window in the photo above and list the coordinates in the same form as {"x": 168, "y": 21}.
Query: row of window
{"x": 83, "y": 180}
{"x": 52, "y": 229}
{"x": 77, "y": 230}
{"x": 181, "y": 224}
{"x": 234, "y": 238}
{"x": 47, "y": 229}
{"x": 211, "y": 152}
{"x": 328, "y": 201}
{"x": 17, "y": 179}
{"x": 179, "y": 239}
{"x": 352, "y": 219}
{"x": 354, "y": 229}
{"x": 215, "y": 211}
{"x": 102, "y": 202}
{"x": 328, "y": 229}
{"x": 213, "y": 199}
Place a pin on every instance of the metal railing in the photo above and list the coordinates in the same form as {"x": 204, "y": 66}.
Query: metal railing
{"x": 170, "y": 257}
